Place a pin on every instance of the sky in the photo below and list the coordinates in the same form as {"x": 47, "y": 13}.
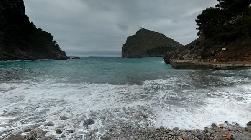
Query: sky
{"x": 101, "y": 27}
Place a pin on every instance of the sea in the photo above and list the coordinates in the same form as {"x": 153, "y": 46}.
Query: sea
{"x": 115, "y": 93}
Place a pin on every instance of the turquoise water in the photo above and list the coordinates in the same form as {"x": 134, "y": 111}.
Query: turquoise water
{"x": 116, "y": 93}
{"x": 90, "y": 70}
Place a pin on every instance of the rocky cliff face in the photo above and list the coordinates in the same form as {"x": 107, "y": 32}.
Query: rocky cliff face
{"x": 237, "y": 50}
{"x": 211, "y": 51}
{"x": 21, "y": 39}
{"x": 224, "y": 35}
{"x": 146, "y": 43}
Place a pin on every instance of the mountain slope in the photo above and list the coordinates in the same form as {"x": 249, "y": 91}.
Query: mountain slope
{"x": 146, "y": 43}
{"x": 21, "y": 39}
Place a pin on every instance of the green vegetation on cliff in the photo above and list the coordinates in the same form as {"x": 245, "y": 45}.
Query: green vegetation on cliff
{"x": 20, "y": 39}
{"x": 224, "y": 34}
{"x": 228, "y": 21}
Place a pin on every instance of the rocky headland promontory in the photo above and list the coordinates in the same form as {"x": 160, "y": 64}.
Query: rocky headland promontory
{"x": 147, "y": 43}
{"x": 20, "y": 39}
{"x": 224, "y": 39}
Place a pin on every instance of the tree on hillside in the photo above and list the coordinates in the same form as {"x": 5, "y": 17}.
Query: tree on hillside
{"x": 233, "y": 5}
{"x": 228, "y": 20}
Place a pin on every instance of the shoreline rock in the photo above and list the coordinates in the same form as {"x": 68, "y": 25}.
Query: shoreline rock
{"x": 74, "y": 57}
{"x": 224, "y": 131}
{"x": 200, "y": 64}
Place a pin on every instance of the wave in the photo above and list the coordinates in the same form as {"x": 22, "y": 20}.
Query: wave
{"x": 172, "y": 102}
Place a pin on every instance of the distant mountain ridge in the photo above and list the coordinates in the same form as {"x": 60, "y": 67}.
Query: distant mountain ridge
{"x": 21, "y": 39}
{"x": 147, "y": 43}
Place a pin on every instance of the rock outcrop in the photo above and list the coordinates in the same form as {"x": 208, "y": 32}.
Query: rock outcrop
{"x": 224, "y": 38}
{"x": 146, "y": 43}
{"x": 21, "y": 39}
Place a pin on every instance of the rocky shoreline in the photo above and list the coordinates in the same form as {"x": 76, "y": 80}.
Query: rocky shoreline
{"x": 225, "y": 131}
{"x": 199, "y": 64}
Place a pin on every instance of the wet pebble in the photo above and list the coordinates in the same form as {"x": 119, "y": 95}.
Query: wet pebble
{"x": 15, "y": 137}
{"x": 59, "y": 131}
{"x": 27, "y": 130}
{"x": 49, "y": 124}
{"x": 63, "y": 136}
{"x": 70, "y": 131}
{"x": 63, "y": 118}
{"x": 214, "y": 125}
{"x": 249, "y": 124}
{"x": 176, "y": 128}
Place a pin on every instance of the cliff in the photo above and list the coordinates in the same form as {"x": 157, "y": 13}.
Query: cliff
{"x": 146, "y": 43}
{"x": 21, "y": 39}
{"x": 224, "y": 37}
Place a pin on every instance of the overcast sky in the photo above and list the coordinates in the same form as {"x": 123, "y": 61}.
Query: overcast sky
{"x": 100, "y": 27}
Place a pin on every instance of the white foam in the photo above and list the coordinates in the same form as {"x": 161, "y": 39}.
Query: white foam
{"x": 231, "y": 104}
{"x": 161, "y": 101}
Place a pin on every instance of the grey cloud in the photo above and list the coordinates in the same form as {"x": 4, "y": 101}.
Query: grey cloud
{"x": 89, "y": 26}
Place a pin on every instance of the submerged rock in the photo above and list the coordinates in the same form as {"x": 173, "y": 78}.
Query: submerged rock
{"x": 70, "y": 131}
{"x": 89, "y": 122}
{"x": 59, "y": 131}
{"x": 249, "y": 124}
{"x": 63, "y": 136}
{"x": 63, "y": 118}
{"x": 49, "y": 124}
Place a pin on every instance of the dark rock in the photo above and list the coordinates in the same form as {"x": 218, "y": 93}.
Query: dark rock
{"x": 210, "y": 133}
{"x": 15, "y": 137}
{"x": 249, "y": 124}
{"x": 21, "y": 39}
{"x": 59, "y": 131}
{"x": 214, "y": 125}
{"x": 146, "y": 43}
{"x": 63, "y": 136}
{"x": 70, "y": 131}
{"x": 248, "y": 129}
{"x": 48, "y": 138}
{"x": 63, "y": 118}
{"x": 74, "y": 57}
{"x": 27, "y": 130}
{"x": 167, "y": 59}
{"x": 176, "y": 128}
{"x": 49, "y": 124}
{"x": 35, "y": 134}
{"x": 89, "y": 122}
